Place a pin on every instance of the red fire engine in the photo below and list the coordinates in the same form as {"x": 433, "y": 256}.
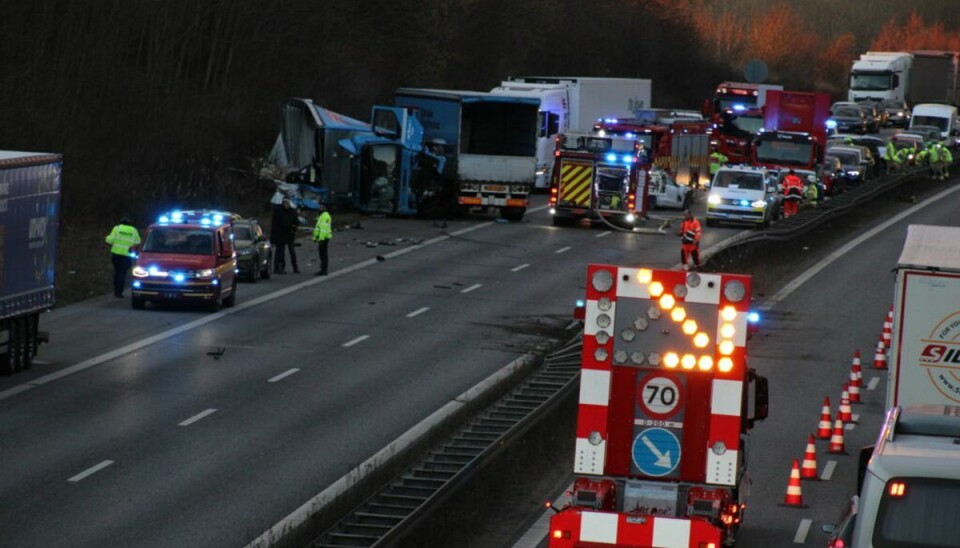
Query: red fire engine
{"x": 677, "y": 144}
{"x": 736, "y": 110}
{"x": 666, "y": 399}
{"x": 597, "y": 177}
{"x": 794, "y": 130}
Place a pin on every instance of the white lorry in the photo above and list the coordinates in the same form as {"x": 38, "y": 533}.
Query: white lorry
{"x": 574, "y": 104}
{"x": 911, "y": 76}
{"x": 925, "y": 352}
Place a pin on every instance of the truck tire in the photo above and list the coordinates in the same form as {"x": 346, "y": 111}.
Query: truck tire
{"x": 12, "y": 359}
{"x": 512, "y": 214}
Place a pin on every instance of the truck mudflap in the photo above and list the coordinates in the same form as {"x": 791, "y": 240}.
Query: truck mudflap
{"x": 576, "y": 528}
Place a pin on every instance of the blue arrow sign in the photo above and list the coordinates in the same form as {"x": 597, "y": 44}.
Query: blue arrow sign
{"x": 656, "y": 452}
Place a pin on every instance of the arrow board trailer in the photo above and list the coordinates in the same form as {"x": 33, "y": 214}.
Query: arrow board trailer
{"x": 666, "y": 400}
{"x": 925, "y": 354}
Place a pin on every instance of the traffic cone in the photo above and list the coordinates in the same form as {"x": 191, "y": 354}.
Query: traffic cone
{"x": 856, "y": 378}
{"x": 823, "y": 429}
{"x": 836, "y": 440}
{"x": 794, "y": 496}
{"x": 887, "y": 334}
{"x": 880, "y": 357}
{"x": 844, "y": 411}
{"x": 808, "y": 470}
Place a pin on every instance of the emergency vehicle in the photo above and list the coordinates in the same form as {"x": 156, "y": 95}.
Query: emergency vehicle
{"x": 666, "y": 400}
{"x": 187, "y": 256}
{"x": 794, "y": 130}
{"x": 596, "y": 177}
{"x": 736, "y": 111}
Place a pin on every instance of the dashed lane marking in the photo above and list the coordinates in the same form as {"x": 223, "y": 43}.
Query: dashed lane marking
{"x": 198, "y": 416}
{"x": 873, "y": 383}
{"x": 519, "y": 268}
{"x": 90, "y": 471}
{"x": 418, "y": 311}
{"x": 471, "y": 288}
{"x": 562, "y": 250}
{"x": 828, "y": 470}
{"x": 802, "y": 530}
{"x": 283, "y": 375}
{"x": 602, "y": 234}
{"x": 359, "y": 339}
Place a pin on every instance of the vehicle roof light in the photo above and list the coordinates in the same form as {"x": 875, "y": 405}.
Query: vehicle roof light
{"x": 689, "y": 361}
{"x": 701, "y": 340}
{"x": 705, "y": 363}
{"x": 678, "y": 314}
{"x": 667, "y": 302}
{"x": 728, "y": 313}
{"x": 725, "y": 364}
{"x": 656, "y": 289}
{"x": 164, "y": 219}
{"x": 671, "y": 360}
{"x": 644, "y": 275}
{"x": 690, "y": 327}
{"x": 726, "y": 348}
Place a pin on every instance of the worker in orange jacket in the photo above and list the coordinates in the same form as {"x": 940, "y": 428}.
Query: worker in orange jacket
{"x": 690, "y": 232}
{"x": 792, "y": 194}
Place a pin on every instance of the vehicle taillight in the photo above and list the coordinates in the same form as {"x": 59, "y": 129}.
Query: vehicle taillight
{"x": 838, "y": 544}
{"x": 897, "y": 489}
{"x": 707, "y": 545}
{"x": 560, "y": 533}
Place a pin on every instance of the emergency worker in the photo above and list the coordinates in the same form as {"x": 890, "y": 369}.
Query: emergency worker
{"x": 933, "y": 154}
{"x": 121, "y": 239}
{"x": 322, "y": 234}
{"x": 792, "y": 194}
{"x": 947, "y": 159}
{"x": 690, "y": 233}
{"x": 892, "y": 158}
{"x": 717, "y": 159}
{"x": 811, "y": 196}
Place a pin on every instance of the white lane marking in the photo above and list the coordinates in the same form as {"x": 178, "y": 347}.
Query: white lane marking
{"x": 359, "y": 339}
{"x": 828, "y": 470}
{"x": 471, "y": 288}
{"x": 602, "y": 234}
{"x": 418, "y": 311}
{"x": 519, "y": 268}
{"x": 802, "y": 530}
{"x": 805, "y": 276}
{"x": 283, "y": 375}
{"x": 562, "y": 250}
{"x": 198, "y": 416}
{"x": 90, "y": 471}
{"x": 873, "y": 383}
{"x": 164, "y": 335}
{"x": 41, "y": 362}
{"x": 854, "y": 418}
{"x": 849, "y": 426}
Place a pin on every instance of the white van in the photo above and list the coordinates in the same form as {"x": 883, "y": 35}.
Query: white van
{"x": 910, "y": 481}
{"x": 941, "y": 116}
{"x": 743, "y": 195}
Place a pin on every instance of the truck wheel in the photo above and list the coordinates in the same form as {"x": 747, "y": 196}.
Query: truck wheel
{"x": 13, "y": 359}
{"x": 512, "y": 214}
{"x": 232, "y": 299}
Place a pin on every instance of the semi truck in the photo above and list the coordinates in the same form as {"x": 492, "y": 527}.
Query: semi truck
{"x": 794, "y": 130}
{"x": 665, "y": 406}
{"x": 29, "y": 225}
{"x": 906, "y": 76}
{"x": 925, "y": 351}
{"x": 574, "y": 103}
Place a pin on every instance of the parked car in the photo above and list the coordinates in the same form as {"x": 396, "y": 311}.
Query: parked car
{"x": 876, "y": 144}
{"x": 664, "y": 192}
{"x": 254, "y": 251}
{"x": 880, "y": 112}
{"x": 832, "y": 175}
{"x": 898, "y": 113}
{"x": 855, "y": 164}
{"x": 910, "y": 141}
{"x": 930, "y": 134}
{"x": 872, "y": 114}
{"x": 850, "y": 119}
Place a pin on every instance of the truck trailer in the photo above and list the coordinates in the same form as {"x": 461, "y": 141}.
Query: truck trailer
{"x": 905, "y": 76}
{"x": 666, "y": 402}
{"x": 29, "y": 224}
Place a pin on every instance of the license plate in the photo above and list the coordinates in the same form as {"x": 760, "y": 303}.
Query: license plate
{"x": 495, "y": 188}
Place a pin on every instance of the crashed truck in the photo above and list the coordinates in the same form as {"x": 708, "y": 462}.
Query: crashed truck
{"x": 380, "y": 167}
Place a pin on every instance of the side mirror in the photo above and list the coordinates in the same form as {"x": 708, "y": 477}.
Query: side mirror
{"x": 758, "y": 397}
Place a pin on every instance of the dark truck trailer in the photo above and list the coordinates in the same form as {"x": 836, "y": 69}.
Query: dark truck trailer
{"x": 934, "y": 78}
{"x": 29, "y": 224}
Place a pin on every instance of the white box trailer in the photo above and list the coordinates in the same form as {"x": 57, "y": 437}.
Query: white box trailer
{"x": 925, "y": 353}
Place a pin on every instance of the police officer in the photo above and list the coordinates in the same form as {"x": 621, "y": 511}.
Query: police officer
{"x": 690, "y": 233}
{"x": 121, "y": 239}
{"x": 322, "y": 234}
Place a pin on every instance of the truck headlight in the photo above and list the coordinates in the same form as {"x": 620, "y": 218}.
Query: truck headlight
{"x": 759, "y": 204}
{"x": 714, "y": 199}
{"x": 140, "y": 272}
{"x": 206, "y": 273}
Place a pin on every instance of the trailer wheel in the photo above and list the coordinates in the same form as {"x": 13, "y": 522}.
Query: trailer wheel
{"x": 512, "y": 214}
{"x": 13, "y": 358}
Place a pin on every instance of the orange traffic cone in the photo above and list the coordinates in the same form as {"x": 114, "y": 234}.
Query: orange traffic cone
{"x": 880, "y": 357}
{"x": 823, "y": 429}
{"x": 836, "y": 440}
{"x": 794, "y": 496}
{"x": 808, "y": 470}
{"x": 855, "y": 378}
{"x": 844, "y": 411}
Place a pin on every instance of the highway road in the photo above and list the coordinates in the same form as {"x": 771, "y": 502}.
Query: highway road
{"x": 176, "y": 427}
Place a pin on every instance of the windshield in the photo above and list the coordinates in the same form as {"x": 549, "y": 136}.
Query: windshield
{"x": 918, "y": 512}
{"x": 738, "y": 179}
{"x": 935, "y": 121}
{"x": 784, "y": 152}
{"x": 611, "y": 179}
{"x": 179, "y": 240}
{"x": 732, "y": 102}
{"x": 242, "y": 233}
{"x": 865, "y": 81}
{"x": 847, "y": 159}
{"x": 849, "y": 112}
{"x": 746, "y": 125}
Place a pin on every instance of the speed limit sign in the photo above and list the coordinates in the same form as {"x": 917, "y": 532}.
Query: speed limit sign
{"x": 660, "y": 395}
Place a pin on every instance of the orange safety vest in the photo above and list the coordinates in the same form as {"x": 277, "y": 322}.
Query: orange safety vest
{"x": 690, "y": 231}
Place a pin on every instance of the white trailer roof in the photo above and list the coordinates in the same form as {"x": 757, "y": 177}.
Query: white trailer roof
{"x": 931, "y": 247}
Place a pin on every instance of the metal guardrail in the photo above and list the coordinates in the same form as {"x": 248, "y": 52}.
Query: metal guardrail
{"x": 382, "y": 519}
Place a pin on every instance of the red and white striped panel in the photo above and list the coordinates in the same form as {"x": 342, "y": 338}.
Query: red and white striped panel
{"x": 633, "y": 530}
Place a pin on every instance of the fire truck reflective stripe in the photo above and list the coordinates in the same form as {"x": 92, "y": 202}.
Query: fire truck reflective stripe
{"x": 708, "y": 292}
{"x": 589, "y": 458}
{"x": 575, "y": 182}
{"x": 726, "y": 397}
{"x": 630, "y": 288}
{"x": 671, "y": 533}
{"x": 595, "y": 387}
{"x": 722, "y": 469}
{"x": 598, "y": 527}
{"x": 739, "y": 323}
{"x": 591, "y": 312}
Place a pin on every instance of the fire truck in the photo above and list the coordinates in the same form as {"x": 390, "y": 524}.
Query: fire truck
{"x": 596, "y": 177}
{"x": 675, "y": 143}
{"x": 736, "y": 110}
{"x": 794, "y": 130}
{"x": 666, "y": 401}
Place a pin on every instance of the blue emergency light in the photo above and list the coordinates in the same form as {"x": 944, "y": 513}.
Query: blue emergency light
{"x": 831, "y": 124}
{"x": 739, "y": 108}
{"x": 627, "y": 159}
{"x": 179, "y": 277}
{"x": 753, "y": 316}
{"x": 611, "y": 157}
{"x": 745, "y": 203}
